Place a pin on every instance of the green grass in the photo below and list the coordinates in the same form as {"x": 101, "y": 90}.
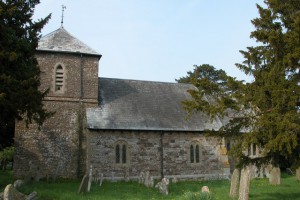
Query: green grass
{"x": 67, "y": 189}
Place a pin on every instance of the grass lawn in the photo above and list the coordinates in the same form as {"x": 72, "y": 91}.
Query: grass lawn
{"x": 67, "y": 189}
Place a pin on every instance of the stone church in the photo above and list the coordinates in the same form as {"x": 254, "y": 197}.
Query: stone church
{"x": 119, "y": 127}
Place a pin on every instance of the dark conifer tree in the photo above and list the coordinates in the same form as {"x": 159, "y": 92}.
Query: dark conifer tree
{"x": 266, "y": 111}
{"x": 19, "y": 71}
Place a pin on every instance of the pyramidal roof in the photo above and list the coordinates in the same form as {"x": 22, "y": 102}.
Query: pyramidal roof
{"x": 61, "y": 40}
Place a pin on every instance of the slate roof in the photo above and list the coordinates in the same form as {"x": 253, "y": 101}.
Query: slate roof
{"x": 145, "y": 105}
{"x": 61, "y": 40}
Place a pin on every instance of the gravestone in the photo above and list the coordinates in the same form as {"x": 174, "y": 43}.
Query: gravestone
{"x": 274, "y": 178}
{"x": 142, "y": 178}
{"x": 205, "y": 189}
{"x": 10, "y": 193}
{"x": 18, "y": 183}
{"x": 83, "y": 188}
{"x": 268, "y": 169}
{"x": 31, "y": 173}
{"x": 174, "y": 180}
{"x": 298, "y": 174}
{"x": 32, "y": 196}
{"x": 234, "y": 186}
{"x": 148, "y": 180}
{"x": 126, "y": 175}
{"x": 90, "y": 178}
{"x": 163, "y": 186}
{"x": 101, "y": 179}
{"x": 244, "y": 184}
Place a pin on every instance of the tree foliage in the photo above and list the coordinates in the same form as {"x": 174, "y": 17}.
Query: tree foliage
{"x": 19, "y": 71}
{"x": 266, "y": 111}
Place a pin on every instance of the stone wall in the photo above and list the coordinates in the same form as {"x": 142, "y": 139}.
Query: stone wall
{"x": 163, "y": 154}
{"x": 58, "y": 148}
{"x": 54, "y": 146}
{"x": 176, "y": 149}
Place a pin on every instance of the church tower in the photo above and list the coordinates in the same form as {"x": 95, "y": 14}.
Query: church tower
{"x": 69, "y": 69}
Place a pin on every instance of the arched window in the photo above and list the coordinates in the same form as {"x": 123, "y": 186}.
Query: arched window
{"x": 254, "y": 149}
{"x": 192, "y": 153}
{"x": 121, "y": 153}
{"x": 195, "y": 153}
{"x": 124, "y": 153}
{"x": 59, "y": 79}
{"x": 117, "y": 153}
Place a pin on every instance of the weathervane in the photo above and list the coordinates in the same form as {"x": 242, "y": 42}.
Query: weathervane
{"x": 62, "y": 14}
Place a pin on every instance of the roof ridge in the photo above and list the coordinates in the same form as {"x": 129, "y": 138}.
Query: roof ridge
{"x": 124, "y": 79}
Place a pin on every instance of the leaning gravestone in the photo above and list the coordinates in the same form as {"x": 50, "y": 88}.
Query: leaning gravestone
{"x": 11, "y": 193}
{"x": 234, "y": 187}
{"x": 274, "y": 178}
{"x": 298, "y": 174}
{"x": 244, "y": 184}
{"x": 83, "y": 188}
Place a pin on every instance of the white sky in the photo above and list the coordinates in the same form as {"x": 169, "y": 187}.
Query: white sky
{"x": 157, "y": 40}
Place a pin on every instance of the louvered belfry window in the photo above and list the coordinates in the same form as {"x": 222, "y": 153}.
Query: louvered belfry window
{"x": 59, "y": 79}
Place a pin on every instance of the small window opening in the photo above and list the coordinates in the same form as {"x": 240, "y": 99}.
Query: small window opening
{"x": 59, "y": 78}
{"x": 117, "y": 153}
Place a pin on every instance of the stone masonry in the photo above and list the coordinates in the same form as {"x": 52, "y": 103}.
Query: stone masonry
{"x": 61, "y": 140}
{"x": 146, "y": 151}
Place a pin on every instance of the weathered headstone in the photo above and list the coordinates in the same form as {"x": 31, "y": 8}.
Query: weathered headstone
{"x": 18, "y": 183}
{"x": 205, "y": 189}
{"x": 148, "y": 181}
{"x": 113, "y": 177}
{"x": 90, "y": 178}
{"x": 101, "y": 179}
{"x": 244, "y": 184}
{"x": 261, "y": 172}
{"x": 298, "y": 174}
{"x": 174, "y": 180}
{"x": 163, "y": 186}
{"x": 142, "y": 178}
{"x": 83, "y": 188}
{"x": 31, "y": 173}
{"x": 274, "y": 178}
{"x": 234, "y": 186}
{"x": 10, "y": 193}
{"x": 268, "y": 170}
{"x": 126, "y": 175}
{"x": 32, "y": 196}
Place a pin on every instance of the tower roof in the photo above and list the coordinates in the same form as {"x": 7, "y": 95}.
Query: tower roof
{"x": 61, "y": 40}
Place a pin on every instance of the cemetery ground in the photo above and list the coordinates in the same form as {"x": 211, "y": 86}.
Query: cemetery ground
{"x": 260, "y": 189}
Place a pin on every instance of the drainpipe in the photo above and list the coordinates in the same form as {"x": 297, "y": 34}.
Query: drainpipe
{"x": 81, "y": 77}
{"x": 161, "y": 154}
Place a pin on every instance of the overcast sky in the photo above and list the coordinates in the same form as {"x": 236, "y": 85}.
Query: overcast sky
{"x": 157, "y": 40}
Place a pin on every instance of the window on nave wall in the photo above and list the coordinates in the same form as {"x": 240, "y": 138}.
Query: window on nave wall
{"x": 195, "y": 153}
{"x": 121, "y": 153}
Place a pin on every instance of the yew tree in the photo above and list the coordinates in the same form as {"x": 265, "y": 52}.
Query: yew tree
{"x": 19, "y": 71}
{"x": 266, "y": 111}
